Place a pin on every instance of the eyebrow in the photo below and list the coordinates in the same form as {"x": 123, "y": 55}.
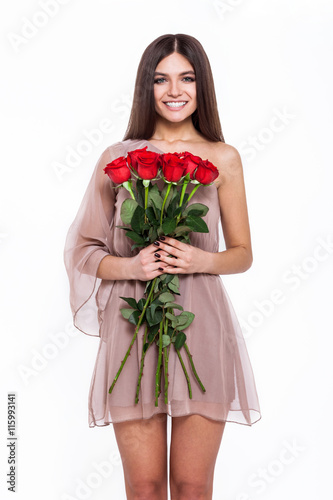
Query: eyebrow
{"x": 181, "y": 74}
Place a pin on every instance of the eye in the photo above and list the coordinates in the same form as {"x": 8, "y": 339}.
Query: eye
{"x": 158, "y": 80}
{"x": 189, "y": 79}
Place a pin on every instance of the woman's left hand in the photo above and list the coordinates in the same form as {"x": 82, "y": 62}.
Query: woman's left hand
{"x": 186, "y": 259}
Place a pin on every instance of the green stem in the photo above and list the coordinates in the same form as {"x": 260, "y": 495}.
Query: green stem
{"x": 185, "y": 372}
{"x": 166, "y": 361}
{"x": 141, "y": 366}
{"x": 171, "y": 340}
{"x": 146, "y": 202}
{"x": 165, "y": 198}
{"x": 193, "y": 191}
{"x": 166, "y": 381}
{"x": 157, "y": 382}
{"x": 193, "y": 368}
{"x": 134, "y": 337}
{"x": 182, "y": 194}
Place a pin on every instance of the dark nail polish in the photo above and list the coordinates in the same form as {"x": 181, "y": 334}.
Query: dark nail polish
{"x": 162, "y": 238}
{"x": 156, "y": 243}
{"x": 157, "y": 255}
{"x": 160, "y": 268}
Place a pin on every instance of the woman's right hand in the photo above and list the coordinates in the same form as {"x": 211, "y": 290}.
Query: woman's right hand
{"x": 146, "y": 266}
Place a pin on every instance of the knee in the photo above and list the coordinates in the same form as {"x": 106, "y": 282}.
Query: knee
{"x": 146, "y": 490}
{"x": 192, "y": 490}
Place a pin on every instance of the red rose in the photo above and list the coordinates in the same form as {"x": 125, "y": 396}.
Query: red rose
{"x": 206, "y": 172}
{"x": 191, "y": 162}
{"x": 145, "y": 163}
{"x": 118, "y": 170}
{"x": 173, "y": 166}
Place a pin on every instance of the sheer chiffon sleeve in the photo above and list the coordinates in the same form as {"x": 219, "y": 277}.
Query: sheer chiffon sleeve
{"x": 88, "y": 241}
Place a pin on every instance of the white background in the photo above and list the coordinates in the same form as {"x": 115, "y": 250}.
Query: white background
{"x": 59, "y": 81}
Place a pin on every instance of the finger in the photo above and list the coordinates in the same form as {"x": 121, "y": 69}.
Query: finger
{"x": 173, "y": 242}
{"x": 169, "y": 249}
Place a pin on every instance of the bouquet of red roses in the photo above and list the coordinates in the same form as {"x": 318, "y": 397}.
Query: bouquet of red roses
{"x": 147, "y": 215}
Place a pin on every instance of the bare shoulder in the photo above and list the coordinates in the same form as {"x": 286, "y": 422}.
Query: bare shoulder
{"x": 227, "y": 160}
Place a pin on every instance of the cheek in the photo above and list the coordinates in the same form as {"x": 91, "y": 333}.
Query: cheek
{"x": 157, "y": 94}
{"x": 194, "y": 95}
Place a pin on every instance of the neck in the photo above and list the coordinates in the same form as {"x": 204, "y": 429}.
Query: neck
{"x": 171, "y": 132}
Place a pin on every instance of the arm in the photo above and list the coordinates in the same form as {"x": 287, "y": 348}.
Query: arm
{"x": 114, "y": 268}
{"x": 234, "y": 218}
{"x": 235, "y": 224}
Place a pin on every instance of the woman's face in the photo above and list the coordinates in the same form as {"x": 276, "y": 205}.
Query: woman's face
{"x": 175, "y": 88}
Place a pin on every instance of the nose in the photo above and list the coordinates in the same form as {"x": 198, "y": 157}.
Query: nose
{"x": 174, "y": 89}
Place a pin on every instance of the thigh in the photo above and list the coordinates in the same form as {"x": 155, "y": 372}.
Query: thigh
{"x": 143, "y": 448}
{"x": 195, "y": 442}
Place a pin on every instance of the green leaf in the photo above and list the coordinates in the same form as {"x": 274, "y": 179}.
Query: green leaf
{"x": 154, "y": 316}
{"x": 152, "y": 332}
{"x": 140, "y": 193}
{"x": 154, "y": 198}
{"x": 180, "y": 230}
{"x": 160, "y": 231}
{"x": 148, "y": 285}
{"x": 173, "y": 288}
{"x": 127, "y": 210}
{"x": 152, "y": 234}
{"x": 134, "y": 317}
{"x": 135, "y": 237}
{"x": 169, "y": 225}
{"x": 175, "y": 280}
{"x": 137, "y": 245}
{"x": 174, "y": 305}
{"x": 154, "y": 305}
{"x": 141, "y": 304}
{"x": 130, "y": 301}
{"x": 174, "y": 284}
{"x": 180, "y": 340}
{"x": 168, "y": 278}
{"x": 166, "y": 297}
{"x": 127, "y": 312}
{"x": 170, "y": 316}
{"x": 198, "y": 208}
{"x": 151, "y": 214}
{"x": 145, "y": 347}
{"x": 197, "y": 224}
{"x": 137, "y": 221}
{"x": 165, "y": 340}
{"x": 184, "y": 320}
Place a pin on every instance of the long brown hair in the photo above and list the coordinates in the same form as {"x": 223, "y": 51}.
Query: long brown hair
{"x": 205, "y": 118}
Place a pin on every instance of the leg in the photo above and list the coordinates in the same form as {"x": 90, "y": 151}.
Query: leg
{"x": 195, "y": 442}
{"x": 143, "y": 448}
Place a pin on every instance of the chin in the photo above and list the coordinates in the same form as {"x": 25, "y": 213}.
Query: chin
{"x": 175, "y": 117}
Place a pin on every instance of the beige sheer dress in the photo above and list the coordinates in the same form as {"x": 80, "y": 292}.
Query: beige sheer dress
{"x": 214, "y": 338}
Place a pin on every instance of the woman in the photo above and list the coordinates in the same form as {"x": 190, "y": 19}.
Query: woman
{"x": 174, "y": 110}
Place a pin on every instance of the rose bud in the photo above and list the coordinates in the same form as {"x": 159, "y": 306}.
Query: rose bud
{"x": 206, "y": 172}
{"x": 145, "y": 163}
{"x": 191, "y": 162}
{"x": 118, "y": 170}
{"x": 173, "y": 167}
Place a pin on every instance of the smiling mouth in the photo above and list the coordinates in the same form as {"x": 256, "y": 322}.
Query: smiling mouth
{"x": 175, "y": 104}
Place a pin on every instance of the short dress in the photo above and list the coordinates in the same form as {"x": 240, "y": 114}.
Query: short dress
{"x": 214, "y": 338}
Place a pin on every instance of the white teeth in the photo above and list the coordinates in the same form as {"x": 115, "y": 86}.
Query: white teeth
{"x": 175, "y": 104}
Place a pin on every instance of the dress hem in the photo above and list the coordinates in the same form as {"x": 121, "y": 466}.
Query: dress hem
{"x": 102, "y": 422}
